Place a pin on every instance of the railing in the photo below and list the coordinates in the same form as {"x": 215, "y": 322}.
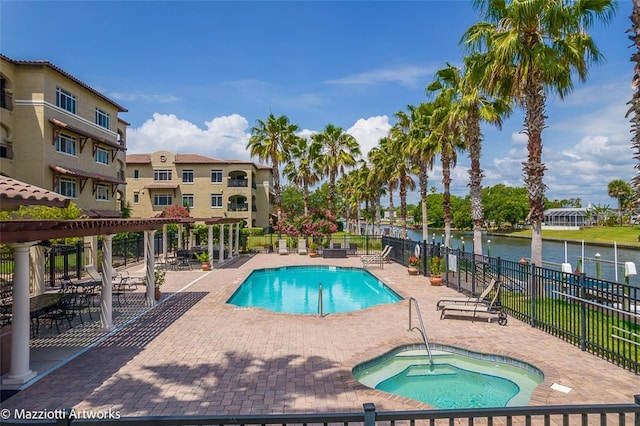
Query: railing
{"x": 238, "y": 207}
{"x": 604, "y": 414}
{"x": 320, "y": 301}
{"x": 237, "y": 183}
{"x": 421, "y": 329}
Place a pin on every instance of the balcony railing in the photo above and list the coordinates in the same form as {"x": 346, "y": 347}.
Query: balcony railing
{"x": 238, "y": 207}
{"x": 237, "y": 183}
{"x": 6, "y": 101}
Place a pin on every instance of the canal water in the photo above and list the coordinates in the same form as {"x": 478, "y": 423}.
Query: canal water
{"x": 553, "y": 253}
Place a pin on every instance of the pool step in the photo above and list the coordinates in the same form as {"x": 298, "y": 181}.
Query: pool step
{"x": 427, "y": 370}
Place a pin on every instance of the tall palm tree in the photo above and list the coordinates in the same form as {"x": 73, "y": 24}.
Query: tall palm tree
{"x": 530, "y": 48}
{"x": 302, "y": 169}
{"x": 468, "y": 106}
{"x": 377, "y": 181}
{"x": 634, "y": 103}
{"x": 619, "y": 190}
{"x": 400, "y": 135}
{"x": 385, "y": 159}
{"x": 337, "y": 150}
{"x": 270, "y": 141}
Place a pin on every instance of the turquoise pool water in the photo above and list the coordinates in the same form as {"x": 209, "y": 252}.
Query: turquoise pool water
{"x": 456, "y": 380}
{"x": 294, "y": 289}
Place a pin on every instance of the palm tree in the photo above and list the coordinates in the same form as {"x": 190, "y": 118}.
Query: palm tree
{"x": 467, "y": 107}
{"x": 530, "y": 48}
{"x": 380, "y": 159}
{"x": 619, "y": 190}
{"x": 635, "y": 100}
{"x": 301, "y": 168}
{"x": 270, "y": 141}
{"x": 337, "y": 150}
{"x": 399, "y": 144}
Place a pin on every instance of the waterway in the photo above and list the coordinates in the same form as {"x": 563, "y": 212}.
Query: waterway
{"x": 554, "y": 253}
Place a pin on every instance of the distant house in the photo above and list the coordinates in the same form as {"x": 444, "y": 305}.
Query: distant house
{"x": 567, "y": 218}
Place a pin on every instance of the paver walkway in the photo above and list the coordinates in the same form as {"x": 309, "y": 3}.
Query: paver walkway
{"x": 194, "y": 354}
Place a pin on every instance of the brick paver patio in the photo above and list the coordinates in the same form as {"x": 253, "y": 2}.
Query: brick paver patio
{"x": 194, "y": 354}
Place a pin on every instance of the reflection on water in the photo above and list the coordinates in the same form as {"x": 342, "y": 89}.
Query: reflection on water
{"x": 553, "y": 253}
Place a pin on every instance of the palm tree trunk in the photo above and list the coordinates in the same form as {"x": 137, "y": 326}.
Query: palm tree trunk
{"x": 391, "y": 208}
{"x": 446, "y": 197}
{"x": 635, "y": 100}
{"x": 423, "y": 178}
{"x": 533, "y": 168}
{"x": 474, "y": 146}
{"x": 403, "y": 206}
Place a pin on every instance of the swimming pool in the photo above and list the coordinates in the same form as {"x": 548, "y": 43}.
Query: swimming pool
{"x": 457, "y": 379}
{"x": 294, "y": 289}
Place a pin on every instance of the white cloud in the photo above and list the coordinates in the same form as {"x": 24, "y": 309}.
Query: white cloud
{"x": 407, "y": 75}
{"x": 369, "y": 131}
{"x": 224, "y": 137}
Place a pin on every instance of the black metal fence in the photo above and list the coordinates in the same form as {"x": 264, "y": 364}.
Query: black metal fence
{"x": 603, "y": 414}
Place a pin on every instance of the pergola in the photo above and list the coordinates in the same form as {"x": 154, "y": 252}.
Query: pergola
{"x": 23, "y": 234}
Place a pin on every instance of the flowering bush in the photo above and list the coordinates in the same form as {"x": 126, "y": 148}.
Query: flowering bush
{"x": 174, "y": 211}
{"x": 414, "y": 261}
{"x": 158, "y": 277}
{"x": 317, "y": 223}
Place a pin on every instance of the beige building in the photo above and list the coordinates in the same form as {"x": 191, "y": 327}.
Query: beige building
{"x": 210, "y": 187}
{"x": 58, "y": 133}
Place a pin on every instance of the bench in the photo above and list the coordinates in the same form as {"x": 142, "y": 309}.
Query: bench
{"x": 334, "y": 253}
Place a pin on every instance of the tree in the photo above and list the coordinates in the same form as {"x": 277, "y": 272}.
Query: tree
{"x": 527, "y": 50}
{"x": 399, "y": 143}
{"x": 634, "y": 109}
{"x": 336, "y": 150}
{"x": 619, "y": 190}
{"x": 270, "y": 141}
{"x": 302, "y": 169}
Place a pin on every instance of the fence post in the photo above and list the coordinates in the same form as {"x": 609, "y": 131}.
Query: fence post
{"x": 423, "y": 253}
{"x": 79, "y": 247}
{"x": 583, "y": 312}
{"x": 459, "y": 267}
{"x": 532, "y": 291}
{"x": 369, "y": 413}
{"x": 52, "y": 266}
{"x": 499, "y": 269}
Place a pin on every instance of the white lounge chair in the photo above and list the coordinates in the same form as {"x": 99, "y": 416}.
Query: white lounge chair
{"x": 282, "y": 247}
{"x": 479, "y": 307}
{"x": 302, "y": 246}
{"x": 380, "y": 258}
{"x": 467, "y": 300}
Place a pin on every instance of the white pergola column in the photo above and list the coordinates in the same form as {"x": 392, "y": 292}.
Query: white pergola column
{"x": 210, "y": 245}
{"x": 238, "y": 238}
{"x": 19, "y": 372}
{"x": 149, "y": 252}
{"x": 36, "y": 270}
{"x": 106, "y": 303}
{"x": 91, "y": 255}
{"x": 230, "y": 240}
{"x": 180, "y": 246}
{"x": 221, "y": 244}
{"x": 164, "y": 243}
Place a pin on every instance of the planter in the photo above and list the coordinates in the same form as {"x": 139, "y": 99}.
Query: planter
{"x": 413, "y": 270}
{"x": 158, "y": 294}
{"x": 435, "y": 280}
{"x": 312, "y": 254}
{"x": 206, "y": 266}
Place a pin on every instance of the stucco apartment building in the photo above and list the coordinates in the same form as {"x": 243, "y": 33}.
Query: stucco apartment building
{"x": 58, "y": 133}
{"x": 210, "y": 187}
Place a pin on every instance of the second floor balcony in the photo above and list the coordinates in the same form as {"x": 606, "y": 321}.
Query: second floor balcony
{"x": 238, "y": 207}
{"x": 237, "y": 183}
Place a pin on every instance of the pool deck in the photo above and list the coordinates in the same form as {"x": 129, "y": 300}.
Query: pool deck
{"x": 194, "y": 354}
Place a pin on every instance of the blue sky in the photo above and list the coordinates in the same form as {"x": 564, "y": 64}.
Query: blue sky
{"x": 195, "y": 76}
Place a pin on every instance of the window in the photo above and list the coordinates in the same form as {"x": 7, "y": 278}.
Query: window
{"x": 102, "y": 118}
{"x": 216, "y": 176}
{"x": 102, "y": 193}
{"x": 187, "y": 176}
{"x": 162, "y": 200}
{"x": 136, "y": 174}
{"x": 136, "y": 197}
{"x": 102, "y": 156}
{"x": 216, "y": 201}
{"x": 67, "y": 187}
{"x": 65, "y": 100}
{"x": 187, "y": 200}
{"x": 160, "y": 175}
{"x": 66, "y": 145}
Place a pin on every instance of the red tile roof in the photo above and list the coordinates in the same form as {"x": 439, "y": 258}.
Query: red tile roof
{"x": 14, "y": 194}
{"x": 138, "y": 159}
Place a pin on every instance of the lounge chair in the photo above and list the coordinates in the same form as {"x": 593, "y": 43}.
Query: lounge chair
{"x": 467, "y": 300}
{"x": 302, "y": 246}
{"x": 118, "y": 282}
{"x": 282, "y": 247}
{"x": 380, "y": 258}
{"x": 493, "y": 307}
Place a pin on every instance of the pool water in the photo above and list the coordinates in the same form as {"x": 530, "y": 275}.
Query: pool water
{"x": 455, "y": 380}
{"x": 294, "y": 289}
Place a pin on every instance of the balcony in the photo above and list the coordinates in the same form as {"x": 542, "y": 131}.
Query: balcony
{"x": 6, "y": 101}
{"x": 238, "y": 207}
{"x": 237, "y": 183}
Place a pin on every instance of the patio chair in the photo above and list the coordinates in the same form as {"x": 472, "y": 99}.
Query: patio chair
{"x": 493, "y": 307}
{"x": 282, "y": 247}
{"x": 62, "y": 311}
{"x": 116, "y": 282}
{"x": 378, "y": 258}
{"x": 302, "y": 246}
{"x": 467, "y": 300}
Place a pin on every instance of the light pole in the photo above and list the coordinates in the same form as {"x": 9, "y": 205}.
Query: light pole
{"x": 271, "y": 235}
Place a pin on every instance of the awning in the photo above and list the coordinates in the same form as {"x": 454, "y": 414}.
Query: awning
{"x": 14, "y": 193}
{"x": 63, "y": 125}
{"x": 161, "y": 186}
{"x": 85, "y": 175}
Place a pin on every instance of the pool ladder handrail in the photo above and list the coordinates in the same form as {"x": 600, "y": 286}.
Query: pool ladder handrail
{"x": 421, "y": 328}
{"x": 320, "y": 304}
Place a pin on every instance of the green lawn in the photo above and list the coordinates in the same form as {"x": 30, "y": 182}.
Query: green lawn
{"x": 603, "y": 234}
